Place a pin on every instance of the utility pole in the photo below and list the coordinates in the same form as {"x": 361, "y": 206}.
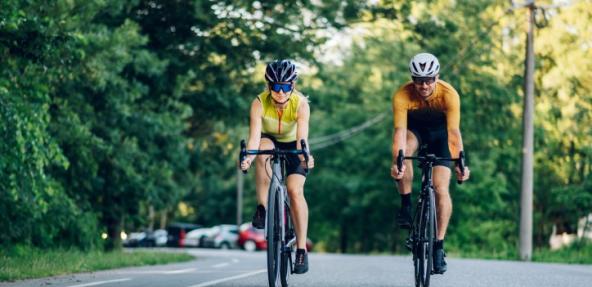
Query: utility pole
{"x": 526, "y": 196}
{"x": 239, "y": 197}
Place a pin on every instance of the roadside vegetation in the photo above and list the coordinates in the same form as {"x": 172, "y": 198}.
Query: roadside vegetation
{"x": 23, "y": 262}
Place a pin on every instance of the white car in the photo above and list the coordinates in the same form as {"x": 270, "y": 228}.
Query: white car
{"x": 224, "y": 236}
{"x": 196, "y": 237}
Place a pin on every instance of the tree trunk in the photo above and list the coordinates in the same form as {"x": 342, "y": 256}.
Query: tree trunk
{"x": 343, "y": 238}
{"x": 114, "y": 234}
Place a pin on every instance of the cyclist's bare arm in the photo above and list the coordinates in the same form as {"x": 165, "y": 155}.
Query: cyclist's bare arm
{"x": 456, "y": 146}
{"x": 302, "y": 129}
{"x": 255, "y": 127}
{"x": 455, "y": 143}
{"x": 399, "y": 104}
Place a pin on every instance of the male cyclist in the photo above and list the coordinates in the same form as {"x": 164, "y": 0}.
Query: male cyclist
{"x": 427, "y": 111}
{"x": 279, "y": 118}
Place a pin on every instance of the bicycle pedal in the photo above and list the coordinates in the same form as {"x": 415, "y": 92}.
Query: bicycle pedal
{"x": 409, "y": 244}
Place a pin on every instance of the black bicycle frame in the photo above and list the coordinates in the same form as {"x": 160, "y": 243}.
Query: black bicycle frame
{"x": 425, "y": 226}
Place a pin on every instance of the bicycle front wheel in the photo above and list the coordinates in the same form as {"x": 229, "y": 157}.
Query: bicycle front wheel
{"x": 425, "y": 245}
{"x": 273, "y": 238}
{"x": 286, "y": 263}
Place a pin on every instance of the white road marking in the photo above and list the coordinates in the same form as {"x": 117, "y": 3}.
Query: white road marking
{"x": 164, "y": 272}
{"x": 210, "y": 283}
{"x": 234, "y": 260}
{"x": 179, "y": 271}
{"x": 221, "y": 265}
{"x": 101, "y": 282}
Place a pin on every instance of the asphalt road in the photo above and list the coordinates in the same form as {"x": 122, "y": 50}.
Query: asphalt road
{"x": 239, "y": 268}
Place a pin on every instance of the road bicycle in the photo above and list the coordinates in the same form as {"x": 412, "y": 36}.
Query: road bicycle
{"x": 279, "y": 228}
{"x": 424, "y": 227}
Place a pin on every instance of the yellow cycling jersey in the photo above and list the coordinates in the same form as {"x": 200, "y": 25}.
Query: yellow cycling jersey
{"x": 441, "y": 109}
{"x": 280, "y": 123}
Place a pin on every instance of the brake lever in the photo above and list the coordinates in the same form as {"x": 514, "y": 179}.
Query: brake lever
{"x": 305, "y": 153}
{"x": 243, "y": 155}
{"x": 461, "y": 165}
{"x": 400, "y": 159}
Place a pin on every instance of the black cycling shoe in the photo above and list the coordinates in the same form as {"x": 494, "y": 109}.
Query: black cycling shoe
{"x": 301, "y": 264}
{"x": 404, "y": 217}
{"x": 439, "y": 262}
{"x": 259, "y": 217}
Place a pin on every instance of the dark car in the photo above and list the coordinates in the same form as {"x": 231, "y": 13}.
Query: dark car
{"x": 176, "y": 233}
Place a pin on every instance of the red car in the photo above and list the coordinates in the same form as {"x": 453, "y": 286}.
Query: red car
{"x": 251, "y": 238}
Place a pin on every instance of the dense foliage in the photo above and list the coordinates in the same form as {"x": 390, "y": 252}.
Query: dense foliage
{"x": 115, "y": 114}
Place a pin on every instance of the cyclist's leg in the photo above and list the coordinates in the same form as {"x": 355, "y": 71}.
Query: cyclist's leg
{"x": 404, "y": 217}
{"x": 299, "y": 207}
{"x": 438, "y": 145}
{"x": 263, "y": 172}
{"x": 441, "y": 178}
{"x": 299, "y": 211}
{"x": 296, "y": 177}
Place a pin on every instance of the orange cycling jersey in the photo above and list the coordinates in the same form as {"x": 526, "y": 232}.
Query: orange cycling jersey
{"x": 441, "y": 109}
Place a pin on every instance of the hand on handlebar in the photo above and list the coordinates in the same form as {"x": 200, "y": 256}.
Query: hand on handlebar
{"x": 395, "y": 173}
{"x": 246, "y": 163}
{"x": 462, "y": 176}
{"x": 310, "y": 162}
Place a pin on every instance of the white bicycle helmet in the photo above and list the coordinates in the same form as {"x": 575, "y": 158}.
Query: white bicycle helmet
{"x": 424, "y": 65}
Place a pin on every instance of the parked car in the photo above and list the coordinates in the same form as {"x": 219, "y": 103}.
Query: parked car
{"x": 156, "y": 238}
{"x": 223, "y": 236}
{"x": 251, "y": 238}
{"x": 134, "y": 239}
{"x": 196, "y": 237}
{"x": 177, "y": 232}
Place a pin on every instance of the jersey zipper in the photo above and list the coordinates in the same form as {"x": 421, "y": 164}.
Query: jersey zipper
{"x": 280, "y": 114}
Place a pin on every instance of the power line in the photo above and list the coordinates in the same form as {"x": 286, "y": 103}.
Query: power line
{"x": 329, "y": 140}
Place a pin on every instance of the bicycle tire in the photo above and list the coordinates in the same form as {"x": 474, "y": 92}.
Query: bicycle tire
{"x": 273, "y": 238}
{"x": 285, "y": 268}
{"x": 416, "y": 243}
{"x": 419, "y": 251}
{"x": 424, "y": 245}
{"x": 430, "y": 234}
{"x": 286, "y": 263}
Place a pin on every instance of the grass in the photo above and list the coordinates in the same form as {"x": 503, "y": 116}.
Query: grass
{"x": 578, "y": 253}
{"x": 26, "y": 262}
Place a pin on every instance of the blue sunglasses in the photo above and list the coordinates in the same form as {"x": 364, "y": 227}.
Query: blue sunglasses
{"x": 276, "y": 87}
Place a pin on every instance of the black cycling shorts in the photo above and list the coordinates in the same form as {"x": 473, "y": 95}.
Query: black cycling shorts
{"x": 436, "y": 140}
{"x": 293, "y": 164}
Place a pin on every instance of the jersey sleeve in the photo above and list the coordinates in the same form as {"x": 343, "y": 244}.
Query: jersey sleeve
{"x": 453, "y": 110}
{"x": 400, "y": 104}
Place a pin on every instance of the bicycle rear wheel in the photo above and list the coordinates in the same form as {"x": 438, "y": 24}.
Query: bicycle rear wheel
{"x": 273, "y": 238}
